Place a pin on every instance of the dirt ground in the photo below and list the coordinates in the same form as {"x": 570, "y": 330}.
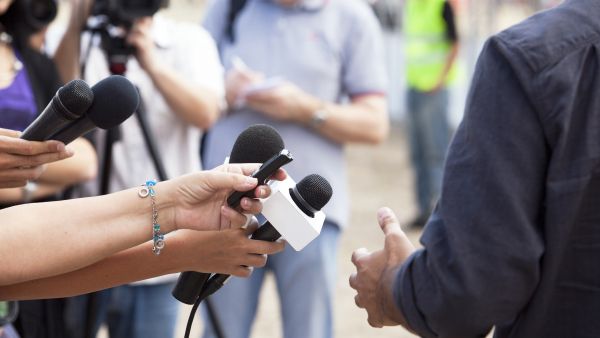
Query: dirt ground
{"x": 379, "y": 176}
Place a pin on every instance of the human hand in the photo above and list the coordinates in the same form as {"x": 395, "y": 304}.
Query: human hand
{"x": 236, "y": 81}
{"x": 22, "y": 160}
{"x": 285, "y": 102}
{"x": 198, "y": 201}
{"x": 140, "y": 37}
{"x": 228, "y": 252}
{"x": 376, "y": 272}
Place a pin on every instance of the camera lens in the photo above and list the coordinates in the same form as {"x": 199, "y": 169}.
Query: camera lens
{"x": 44, "y": 11}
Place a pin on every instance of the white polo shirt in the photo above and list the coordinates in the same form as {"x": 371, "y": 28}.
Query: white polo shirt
{"x": 191, "y": 52}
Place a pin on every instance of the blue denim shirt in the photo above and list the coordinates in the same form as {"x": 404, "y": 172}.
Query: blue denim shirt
{"x": 515, "y": 240}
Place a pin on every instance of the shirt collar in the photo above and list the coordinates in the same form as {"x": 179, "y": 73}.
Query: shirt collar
{"x": 310, "y": 5}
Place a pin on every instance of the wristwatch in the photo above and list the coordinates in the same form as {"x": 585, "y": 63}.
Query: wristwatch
{"x": 318, "y": 118}
{"x": 28, "y": 191}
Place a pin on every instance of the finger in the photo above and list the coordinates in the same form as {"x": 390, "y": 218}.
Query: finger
{"x": 257, "y": 261}
{"x": 358, "y": 254}
{"x": 252, "y": 226}
{"x": 228, "y": 181}
{"x": 251, "y": 206}
{"x": 12, "y": 184}
{"x": 264, "y": 247}
{"x": 279, "y": 175}
{"x": 388, "y": 221}
{"x": 353, "y": 280}
{"x": 16, "y": 175}
{"x": 19, "y": 146}
{"x": 373, "y": 322}
{"x": 242, "y": 271}
{"x": 243, "y": 168}
{"x": 233, "y": 219}
{"x": 262, "y": 191}
{"x": 9, "y": 132}
{"x": 357, "y": 302}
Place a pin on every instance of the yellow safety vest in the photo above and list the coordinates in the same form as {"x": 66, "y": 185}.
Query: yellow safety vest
{"x": 427, "y": 45}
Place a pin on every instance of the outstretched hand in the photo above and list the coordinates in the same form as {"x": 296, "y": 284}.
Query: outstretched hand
{"x": 22, "y": 160}
{"x": 376, "y": 272}
{"x": 200, "y": 198}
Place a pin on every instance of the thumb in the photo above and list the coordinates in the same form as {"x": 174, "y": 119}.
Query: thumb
{"x": 228, "y": 181}
{"x": 388, "y": 221}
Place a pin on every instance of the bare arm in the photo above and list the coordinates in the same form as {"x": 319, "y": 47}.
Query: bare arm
{"x": 67, "y": 54}
{"x": 217, "y": 251}
{"x": 363, "y": 120}
{"x": 192, "y": 103}
{"x": 47, "y": 239}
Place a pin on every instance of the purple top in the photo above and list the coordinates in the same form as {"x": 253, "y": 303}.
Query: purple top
{"x": 17, "y": 103}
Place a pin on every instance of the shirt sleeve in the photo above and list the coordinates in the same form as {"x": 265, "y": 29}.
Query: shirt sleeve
{"x": 363, "y": 63}
{"x": 451, "y": 31}
{"x": 483, "y": 244}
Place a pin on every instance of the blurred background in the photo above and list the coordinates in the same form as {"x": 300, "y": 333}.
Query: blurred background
{"x": 380, "y": 175}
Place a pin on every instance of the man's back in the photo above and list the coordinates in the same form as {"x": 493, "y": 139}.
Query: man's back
{"x": 515, "y": 241}
{"x": 562, "y": 50}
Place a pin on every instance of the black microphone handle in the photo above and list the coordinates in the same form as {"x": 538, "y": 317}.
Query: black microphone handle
{"x": 74, "y": 130}
{"x": 266, "y": 232}
{"x": 186, "y": 293}
{"x": 54, "y": 117}
{"x": 192, "y": 285}
{"x": 188, "y": 286}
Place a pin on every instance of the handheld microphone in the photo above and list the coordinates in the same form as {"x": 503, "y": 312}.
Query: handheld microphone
{"x": 299, "y": 222}
{"x": 115, "y": 100}
{"x": 69, "y": 103}
{"x": 259, "y": 143}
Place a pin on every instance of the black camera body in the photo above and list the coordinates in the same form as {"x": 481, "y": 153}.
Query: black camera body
{"x": 115, "y": 19}
{"x": 25, "y": 17}
{"x": 124, "y": 12}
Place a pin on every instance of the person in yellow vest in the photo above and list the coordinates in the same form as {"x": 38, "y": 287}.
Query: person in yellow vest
{"x": 431, "y": 42}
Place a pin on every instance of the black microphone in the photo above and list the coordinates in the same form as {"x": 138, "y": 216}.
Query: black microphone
{"x": 69, "y": 103}
{"x": 115, "y": 100}
{"x": 310, "y": 195}
{"x": 259, "y": 143}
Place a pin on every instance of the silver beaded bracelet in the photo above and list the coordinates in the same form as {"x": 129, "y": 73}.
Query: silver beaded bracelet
{"x": 158, "y": 239}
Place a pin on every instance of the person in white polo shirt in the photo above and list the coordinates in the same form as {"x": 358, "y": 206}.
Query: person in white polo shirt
{"x": 177, "y": 70}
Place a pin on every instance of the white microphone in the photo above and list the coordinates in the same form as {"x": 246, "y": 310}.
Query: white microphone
{"x": 293, "y": 211}
{"x": 291, "y": 215}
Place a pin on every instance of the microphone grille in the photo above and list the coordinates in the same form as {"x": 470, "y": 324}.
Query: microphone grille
{"x": 76, "y": 96}
{"x": 256, "y": 144}
{"x": 115, "y": 100}
{"x": 315, "y": 190}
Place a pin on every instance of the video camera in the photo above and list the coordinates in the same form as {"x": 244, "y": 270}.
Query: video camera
{"x": 112, "y": 19}
{"x": 29, "y": 16}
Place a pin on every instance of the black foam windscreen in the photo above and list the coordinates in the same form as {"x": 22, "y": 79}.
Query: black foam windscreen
{"x": 77, "y": 97}
{"x": 115, "y": 100}
{"x": 315, "y": 190}
{"x": 257, "y": 144}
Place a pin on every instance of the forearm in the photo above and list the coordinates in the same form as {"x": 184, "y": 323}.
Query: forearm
{"x": 47, "y": 239}
{"x": 67, "y": 54}
{"x": 131, "y": 265}
{"x": 83, "y": 166}
{"x": 192, "y": 103}
{"x": 364, "y": 120}
{"x": 16, "y": 195}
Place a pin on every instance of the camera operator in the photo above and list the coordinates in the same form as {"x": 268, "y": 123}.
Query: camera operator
{"x": 177, "y": 70}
